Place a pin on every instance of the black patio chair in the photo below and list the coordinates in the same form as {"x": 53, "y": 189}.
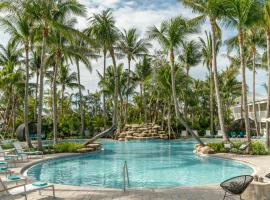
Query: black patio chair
{"x": 236, "y": 185}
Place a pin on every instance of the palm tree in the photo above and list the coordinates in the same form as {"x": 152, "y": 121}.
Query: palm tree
{"x": 10, "y": 75}
{"x": 240, "y": 14}
{"x": 19, "y": 26}
{"x": 81, "y": 53}
{"x": 103, "y": 26}
{"x": 189, "y": 57}
{"x": 207, "y": 60}
{"x": 133, "y": 47}
{"x": 265, "y": 24}
{"x": 170, "y": 35}
{"x": 254, "y": 40}
{"x": 211, "y": 9}
{"x": 143, "y": 71}
{"x": 68, "y": 79}
{"x": 46, "y": 13}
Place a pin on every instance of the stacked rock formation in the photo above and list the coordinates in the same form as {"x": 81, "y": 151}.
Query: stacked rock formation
{"x": 141, "y": 132}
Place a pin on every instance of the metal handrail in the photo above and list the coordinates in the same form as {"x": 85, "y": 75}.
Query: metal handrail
{"x": 125, "y": 176}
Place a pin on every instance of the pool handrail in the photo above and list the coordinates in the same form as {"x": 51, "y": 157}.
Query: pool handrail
{"x": 125, "y": 176}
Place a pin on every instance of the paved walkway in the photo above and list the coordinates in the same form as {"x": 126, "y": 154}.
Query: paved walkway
{"x": 261, "y": 164}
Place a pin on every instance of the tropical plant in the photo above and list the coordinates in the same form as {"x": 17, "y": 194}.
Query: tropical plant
{"x": 170, "y": 35}
{"x": 241, "y": 15}
{"x": 132, "y": 47}
{"x": 213, "y": 10}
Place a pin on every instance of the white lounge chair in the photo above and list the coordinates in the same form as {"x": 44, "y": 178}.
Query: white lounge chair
{"x": 19, "y": 150}
{"x": 10, "y": 159}
{"x": 219, "y": 133}
{"x": 13, "y": 179}
{"x": 23, "y": 190}
{"x": 196, "y": 132}
{"x": 184, "y": 134}
{"x": 6, "y": 171}
{"x": 208, "y": 133}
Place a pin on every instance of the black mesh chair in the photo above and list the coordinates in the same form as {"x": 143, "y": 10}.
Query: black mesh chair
{"x": 236, "y": 185}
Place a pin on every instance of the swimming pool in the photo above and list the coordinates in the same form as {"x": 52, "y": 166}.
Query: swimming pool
{"x": 151, "y": 164}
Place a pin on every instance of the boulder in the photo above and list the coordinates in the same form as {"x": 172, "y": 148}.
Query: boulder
{"x": 121, "y": 139}
{"x": 85, "y": 150}
{"x": 94, "y": 145}
{"x": 129, "y": 137}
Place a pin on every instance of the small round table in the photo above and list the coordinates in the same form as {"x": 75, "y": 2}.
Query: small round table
{"x": 257, "y": 191}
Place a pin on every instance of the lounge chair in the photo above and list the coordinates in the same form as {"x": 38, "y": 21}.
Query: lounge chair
{"x": 13, "y": 179}
{"x": 23, "y": 190}
{"x": 184, "y": 134}
{"x": 19, "y": 150}
{"x": 208, "y": 133}
{"x": 236, "y": 185}
{"x": 6, "y": 171}
{"x": 10, "y": 159}
{"x": 219, "y": 134}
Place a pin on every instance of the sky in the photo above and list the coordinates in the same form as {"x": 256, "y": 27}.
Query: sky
{"x": 141, "y": 14}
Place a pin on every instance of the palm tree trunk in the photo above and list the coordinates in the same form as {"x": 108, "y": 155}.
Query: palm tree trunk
{"x": 26, "y": 109}
{"x": 218, "y": 98}
{"x": 268, "y": 90}
{"x": 177, "y": 112}
{"x": 169, "y": 121}
{"x": 244, "y": 84}
{"x": 254, "y": 92}
{"x": 211, "y": 100}
{"x": 144, "y": 103}
{"x": 41, "y": 86}
{"x": 14, "y": 114}
{"x": 116, "y": 88}
{"x": 128, "y": 83}
{"x": 55, "y": 114}
{"x": 62, "y": 99}
{"x": 36, "y": 96}
{"x": 104, "y": 98}
{"x": 81, "y": 106}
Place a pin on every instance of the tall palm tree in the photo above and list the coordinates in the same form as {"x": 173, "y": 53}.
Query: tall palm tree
{"x": 66, "y": 78}
{"x": 19, "y": 26}
{"x": 143, "y": 71}
{"x": 241, "y": 14}
{"x": 212, "y": 10}
{"x": 189, "y": 57}
{"x": 207, "y": 60}
{"x": 132, "y": 47}
{"x": 81, "y": 54}
{"x": 170, "y": 35}
{"x": 265, "y": 24}
{"x": 103, "y": 26}
{"x": 46, "y": 13}
{"x": 254, "y": 39}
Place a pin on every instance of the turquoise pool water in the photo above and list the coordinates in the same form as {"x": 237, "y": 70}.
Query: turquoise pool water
{"x": 151, "y": 164}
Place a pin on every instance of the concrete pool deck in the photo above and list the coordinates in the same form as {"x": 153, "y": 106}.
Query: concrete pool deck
{"x": 210, "y": 192}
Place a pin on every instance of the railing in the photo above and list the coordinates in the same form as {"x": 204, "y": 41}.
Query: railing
{"x": 125, "y": 176}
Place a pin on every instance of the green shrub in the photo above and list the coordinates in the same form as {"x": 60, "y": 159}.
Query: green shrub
{"x": 217, "y": 146}
{"x": 67, "y": 147}
{"x": 258, "y": 148}
{"x": 7, "y": 146}
{"x": 235, "y": 150}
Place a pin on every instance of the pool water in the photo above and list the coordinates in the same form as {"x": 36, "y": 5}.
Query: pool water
{"x": 151, "y": 164}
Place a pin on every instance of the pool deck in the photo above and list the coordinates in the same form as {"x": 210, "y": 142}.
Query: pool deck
{"x": 210, "y": 192}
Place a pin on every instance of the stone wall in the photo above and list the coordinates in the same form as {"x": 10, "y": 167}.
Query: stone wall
{"x": 141, "y": 132}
